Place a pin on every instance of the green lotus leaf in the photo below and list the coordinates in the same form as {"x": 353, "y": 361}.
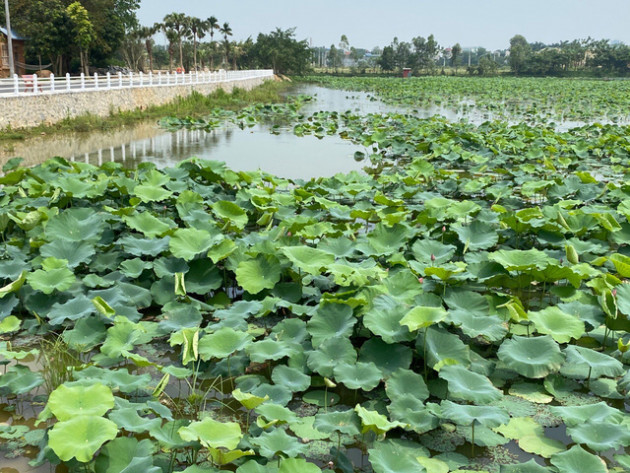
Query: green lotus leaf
{"x": 87, "y": 333}
{"x": 622, "y": 264}
{"x": 396, "y": 456}
{"x": 476, "y": 236}
{"x": 55, "y": 276}
{"x": 14, "y": 286}
{"x": 118, "y": 455}
{"x": 67, "y": 402}
{"x": 489, "y": 327}
{"x": 119, "y": 379}
{"x": 19, "y": 380}
{"x": 411, "y": 411}
{"x": 443, "y": 347}
{"x": 521, "y": 260}
{"x": 423, "y": 317}
{"x": 76, "y": 225}
{"x": 149, "y": 225}
{"x": 149, "y": 193}
{"x": 365, "y": 376}
{"x": 623, "y": 460}
{"x": 577, "y": 415}
{"x": 343, "y": 422}
{"x": 138, "y": 246}
{"x": 257, "y": 274}
{"x": 528, "y": 467}
{"x": 433, "y": 465}
{"x": 203, "y": 277}
{"x": 252, "y": 466}
{"x": 249, "y": 401}
{"x": 124, "y": 335}
{"x": 321, "y": 398}
{"x": 212, "y": 434}
{"x": 129, "y": 420}
{"x": 341, "y": 247}
{"x": 133, "y": 268}
{"x": 80, "y": 437}
{"x": 304, "y": 428}
{"x": 231, "y": 213}
{"x": 165, "y": 267}
{"x": 488, "y": 416}
{"x": 404, "y": 383}
{"x": 600, "y": 436}
{"x": 530, "y": 437}
{"x": 561, "y": 326}
{"x": 592, "y": 364}
{"x": 292, "y": 465}
{"x": 278, "y": 442}
{"x": 310, "y": 260}
{"x": 291, "y": 378}
{"x": 269, "y": 349}
{"x": 73, "y": 252}
{"x": 372, "y": 421}
{"x": 388, "y": 358}
{"x": 329, "y": 354}
{"x": 534, "y": 357}
{"x": 384, "y": 318}
{"x": 222, "y": 343}
{"x": 578, "y": 460}
{"x": 466, "y": 385}
{"x": 331, "y": 320}
{"x": 186, "y": 243}
{"x": 531, "y": 392}
{"x": 424, "y": 249}
{"x": 385, "y": 240}
{"x": 10, "y": 324}
{"x": 167, "y": 435}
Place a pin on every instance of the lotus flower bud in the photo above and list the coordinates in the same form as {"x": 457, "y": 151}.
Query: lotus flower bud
{"x": 432, "y": 257}
{"x": 623, "y": 347}
{"x": 614, "y": 292}
{"x": 420, "y": 280}
{"x": 443, "y": 228}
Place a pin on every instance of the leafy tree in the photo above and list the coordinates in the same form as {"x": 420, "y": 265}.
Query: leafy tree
{"x": 280, "y": 51}
{"x": 213, "y": 24}
{"x": 334, "y": 59}
{"x": 487, "y": 66}
{"x": 179, "y": 23}
{"x": 456, "y": 54}
{"x": 520, "y": 51}
{"x": 387, "y": 60}
{"x": 226, "y": 31}
{"x": 82, "y": 30}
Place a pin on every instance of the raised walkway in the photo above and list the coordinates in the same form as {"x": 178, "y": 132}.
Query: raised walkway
{"x": 32, "y": 101}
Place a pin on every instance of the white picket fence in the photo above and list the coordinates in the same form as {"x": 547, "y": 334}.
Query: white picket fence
{"x": 30, "y": 85}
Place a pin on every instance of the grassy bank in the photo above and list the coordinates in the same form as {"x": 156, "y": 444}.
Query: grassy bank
{"x": 195, "y": 105}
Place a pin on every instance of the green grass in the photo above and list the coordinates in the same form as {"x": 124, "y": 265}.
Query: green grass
{"x": 195, "y": 105}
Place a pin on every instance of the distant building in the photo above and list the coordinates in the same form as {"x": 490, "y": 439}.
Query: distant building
{"x": 18, "y": 53}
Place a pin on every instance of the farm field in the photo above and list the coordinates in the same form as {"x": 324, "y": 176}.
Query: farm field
{"x": 461, "y": 305}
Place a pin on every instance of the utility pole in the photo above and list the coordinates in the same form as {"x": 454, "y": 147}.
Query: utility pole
{"x": 9, "y": 39}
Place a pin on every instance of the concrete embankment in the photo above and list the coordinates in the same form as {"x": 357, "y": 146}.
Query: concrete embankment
{"x": 31, "y": 110}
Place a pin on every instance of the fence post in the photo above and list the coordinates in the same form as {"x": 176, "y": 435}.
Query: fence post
{"x": 151, "y": 78}
{"x": 120, "y": 79}
{"x": 35, "y": 85}
{"x": 141, "y": 78}
{"x": 130, "y": 79}
{"x": 16, "y": 84}
{"x": 82, "y": 81}
{"x": 67, "y": 81}
{"x": 52, "y": 82}
{"x": 109, "y": 81}
{"x": 96, "y": 81}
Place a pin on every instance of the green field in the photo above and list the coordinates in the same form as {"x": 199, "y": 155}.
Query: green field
{"x": 460, "y": 306}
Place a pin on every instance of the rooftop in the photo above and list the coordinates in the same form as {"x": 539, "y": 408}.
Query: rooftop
{"x": 14, "y": 35}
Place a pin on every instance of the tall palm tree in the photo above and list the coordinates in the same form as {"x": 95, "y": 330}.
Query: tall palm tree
{"x": 180, "y": 23}
{"x": 146, "y": 33}
{"x": 226, "y": 31}
{"x": 198, "y": 29}
{"x": 213, "y": 24}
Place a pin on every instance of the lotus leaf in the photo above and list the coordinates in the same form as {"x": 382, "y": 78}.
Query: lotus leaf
{"x": 310, "y": 260}
{"x": 269, "y": 349}
{"x": 148, "y": 224}
{"x": 291, "y": 465}
{"x": 19, "y": 380}
{"x": 54, "y": 276}
{"x": 329, "y": 354}
{"x": 593, "y": 364}
{"x": 120, "y": 452}
{"x": 465, "y": 385}
{"x": 80, "y": 437}
{"x": 342, "y": 422}
{"x": 304, "y": 428}
{"x": 528, "y": 467}
{"x": 442, "y": 347}
{"x": 375, "y": 422}
{"x": 404, "y": 383}
{"x": 396, "y": 456}
{"x": 275, "y": 414}
{"x": 423, "y": 317}
{"x": 10, "y": 324}
{"x": 388, "y": 358}
{"x": 365, "y": 376}
{"x": 521, "y": 260}
{"x": 599, "y": 412}
{"x": 278, "y": 442}
{"x": 76, "y": 225}
{"x": 384, "y": 319}
{"x": 531, "y": 437}
{"x": 291, "y": 378}
{"x": 476, "y": 236}
{"x": 67, "y": 402}
{"x": 129, "y": 420}
{"x": 578, "y": 460}
{"x": 257, "y": 274}
{"x": 432, "y": 252}
{"x": 600, "y": 436}
{"x": 73, "y": 252}
{"x": 534, "y": 357}
{"x": 186, "y": 243}
{"x": 331, "y": 320}
{"x": 487, "y": 416}
{"x": 212, "y": 434}
{"x": 222, "y": 343}
{"x": 561, "y": 326}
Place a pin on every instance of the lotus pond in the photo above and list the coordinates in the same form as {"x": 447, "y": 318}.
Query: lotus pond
{"x": 459, "y": 306}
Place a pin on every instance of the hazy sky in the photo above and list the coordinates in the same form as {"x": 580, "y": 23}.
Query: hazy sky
{"x": 488, "y": 23}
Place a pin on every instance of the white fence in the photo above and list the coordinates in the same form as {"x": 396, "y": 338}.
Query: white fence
{"x": 33, "y": 85}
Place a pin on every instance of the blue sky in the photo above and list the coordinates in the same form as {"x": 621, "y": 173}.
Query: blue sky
{"x": 488, "y": 23}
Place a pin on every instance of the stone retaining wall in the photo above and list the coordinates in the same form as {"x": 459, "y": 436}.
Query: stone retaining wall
{"x": 28, "y": 111}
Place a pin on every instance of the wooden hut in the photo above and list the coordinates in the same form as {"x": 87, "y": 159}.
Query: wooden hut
{"x": 18, "y": 53}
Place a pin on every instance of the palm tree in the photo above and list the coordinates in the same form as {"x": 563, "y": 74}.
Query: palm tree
{"x": 180, "y": 23}
{"x": 212, "y": 24}
{"x": 171, "y": 36}
{"x": 145, "y": 33}
{"x": 198, "y": 29}
{"x": 226, "y": 31}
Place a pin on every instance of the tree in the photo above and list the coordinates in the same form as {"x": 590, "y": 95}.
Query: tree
{"x": 83, "y": 32}
{"x": 213, "y": 24}
{"x": 226, "y": 31}
{"x": 180, "y": 24}
{"x": 198, "y": 29}
{"x": 520, "y": 51}
{"x": 456, "y": 53}
{"x": 280, "y": 51}
{"x": 387, "y": 61}
{"x": 146, "y": 33}
{"x": 334, "y": 58}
